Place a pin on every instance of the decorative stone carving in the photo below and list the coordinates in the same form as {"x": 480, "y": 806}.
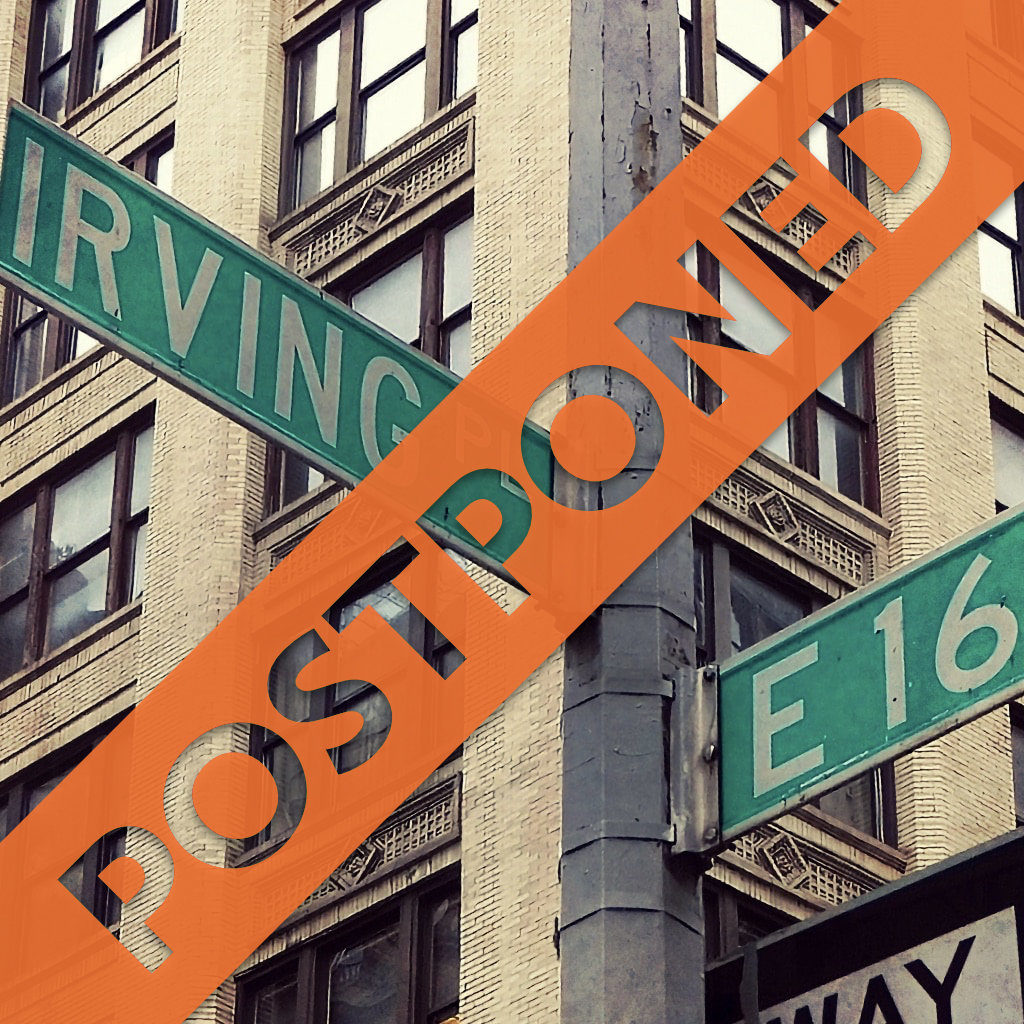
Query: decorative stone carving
{"x": 775, "y": 512}
{"x": 379, "y": 204}
{"x": 803, "y": 866}
{"x": 787, "y": 863}
{"x": 840, "y": 551}
{"x": 421, "y": 820}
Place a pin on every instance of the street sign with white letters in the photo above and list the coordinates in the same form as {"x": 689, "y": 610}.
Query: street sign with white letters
{"x": 872, "y": 676}
{"x": 130, "y": 265}
{"x": 942, "y": 946}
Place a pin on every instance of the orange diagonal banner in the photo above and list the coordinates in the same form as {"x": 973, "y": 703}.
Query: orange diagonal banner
{"x": 59, "y": 964}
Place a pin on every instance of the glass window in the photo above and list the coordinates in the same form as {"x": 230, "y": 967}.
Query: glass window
{"x": 392, "y": 301}
{"x": 999, "y": 254}
{"x": 423, "y": 298}
{"x": 829, "y": 435}
{"x": 1008, "y": 461}
{"x": 749, "y": 46}
{"x": 757, "y": 600}
{"x": 363, "y": 983}
{"x": 407, "y": 64}
{"x": 401, "y": 966}
{"x": 21, "y": 796}
{"x": 75, "y": 552}
{"x": 77, "y": 47}
{"x": 1017, "y": 748}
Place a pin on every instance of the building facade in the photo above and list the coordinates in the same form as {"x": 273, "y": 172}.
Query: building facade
{"x": 439, "y": 167}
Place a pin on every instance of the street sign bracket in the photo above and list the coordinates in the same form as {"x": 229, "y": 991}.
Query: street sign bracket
{"x": 694, "y": 758}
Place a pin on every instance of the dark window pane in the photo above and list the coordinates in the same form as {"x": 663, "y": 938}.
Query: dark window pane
{"x": 854, "y": 803}
{"x": 394, "y": 110}
{"x": 443, "y": 952}
{"x": 27, "y": 359}
{"x": 386, "y": 601}
{"x": 996, "y": 262}
{"x": 314, "y": 164}
{"x": 1017, "y": 740}
{"x": 363, "y": 984}
{"x": 839, "y": 455}
{"x": 142, "y": 470}
{"x": 15, "y": 550}
{"x": 317, "y": 80}
{"x": 78, "y": 600}
{"x": 702, "y": 599}
{"x": 375, "y": 710}
{"x": 4, "y": 829}
{"x": 392, "y": 31}
{"x": 53, "y": 93}
{"x": 81, "y": 509}
{"x": 393, "y": 300}
{"x": 108, "y": 906}
{"x": 277, "y": 1003}
{"x": 1008, "y": 457}
{"x": 758, "y": 608}
{"x": 466, "y": 51}
{"x": 12, "y": 638}
{"x": 295, "y": 704}
{"x": 58, "y": 22}
{"x": 119, "y": 50}
{"x": 286, "y": 771}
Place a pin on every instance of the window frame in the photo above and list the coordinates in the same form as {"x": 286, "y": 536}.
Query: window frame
{"x": 310, "y": 963}
{"x": 434, "y": 328}
{"x": 1016, "y": 250}
{"x": 1012, "y": 421}
{"x": 724, "y": 909}
{"x": 60, "y": 339}
{"x": 438, "y": 55}
{"x": 703, "y": 48}
{"x": 116, "y": 539}
{"x": 98, "y": 899}
{"x": 158, "y": 26}
{"x": 803, "y": 423}
{"x": 714, "y": 642}
{"x": 422, "y": 636}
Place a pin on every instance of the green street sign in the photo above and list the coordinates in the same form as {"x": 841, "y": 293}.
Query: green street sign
{"x": 128, "y": 264}
{"x": 876, "y": 674}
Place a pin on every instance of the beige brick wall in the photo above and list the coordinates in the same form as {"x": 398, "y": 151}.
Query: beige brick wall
{"x": 512, "y": 785}
{"x": 936, "y": 482}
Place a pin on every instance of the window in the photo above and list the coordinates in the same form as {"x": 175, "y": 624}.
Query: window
{"x": 373, "y": 590}
{"x": 36, "y": 342}
{"x": 397, "y": 965}
{"x": 1017, "y": 748}
{"x": 424, "y": 298}
{"x": 752, "y": 37}
{"x": 999, "y": 254}
{"x": 77, "y": 47}
{"x": 71, "y": 549}
{"x": 1008, "y": 457}
{"x": 25, "y": 792}
{"x": 831, "y": 435}
{"x": 375, "y": 74}
{"x": 740, "y": 602}
{"x": 731, "y": 919}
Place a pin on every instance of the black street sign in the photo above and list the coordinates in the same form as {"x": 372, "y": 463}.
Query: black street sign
{"x": 942, "y": 946}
